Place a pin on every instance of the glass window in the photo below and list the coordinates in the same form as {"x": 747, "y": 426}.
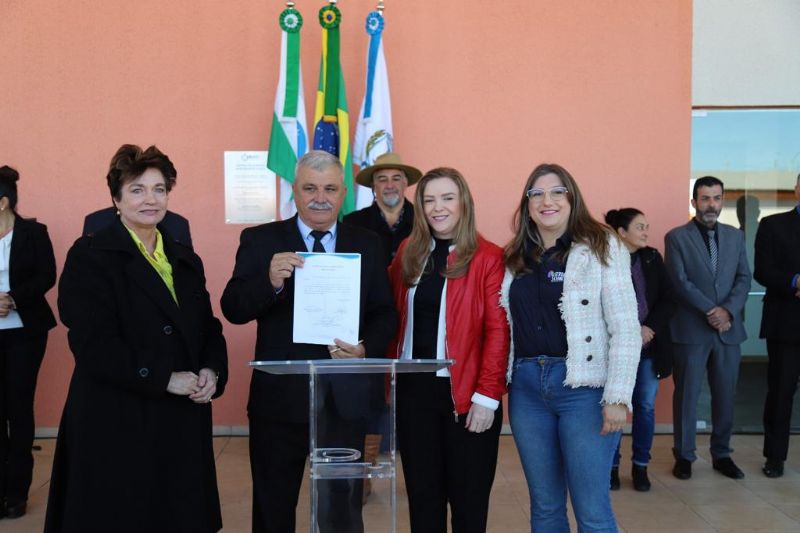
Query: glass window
{"x": 756, "y": 153}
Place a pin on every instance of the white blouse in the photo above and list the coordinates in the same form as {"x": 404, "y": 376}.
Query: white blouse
{"x": 12, "y": 320}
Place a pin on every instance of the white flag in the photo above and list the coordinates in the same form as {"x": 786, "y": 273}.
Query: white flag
{"x": 374, "y": 130}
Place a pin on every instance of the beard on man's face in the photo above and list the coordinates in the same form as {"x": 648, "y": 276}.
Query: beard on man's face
{"x": 709, "y": 215}
{"x": 391, "y": 200}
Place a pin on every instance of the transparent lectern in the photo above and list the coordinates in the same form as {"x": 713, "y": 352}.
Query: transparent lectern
{"x": 337, "y": 470}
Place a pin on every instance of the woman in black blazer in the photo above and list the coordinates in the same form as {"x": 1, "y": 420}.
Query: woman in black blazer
{"x": 134, "y": 450}
{"x": 655, "y": 309}
{"x": 27, "y": 272}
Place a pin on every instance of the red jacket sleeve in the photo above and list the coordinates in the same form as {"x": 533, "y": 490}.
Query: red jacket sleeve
{"x": 494, "y": 360}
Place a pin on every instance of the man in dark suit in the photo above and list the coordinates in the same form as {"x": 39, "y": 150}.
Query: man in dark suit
{"x": 391, "y": 215}
{"x": 175, "y": 225}
{"x": 262, "y": 289}
{"x": 707, "y": 265}
{"x": 777, "y": 267}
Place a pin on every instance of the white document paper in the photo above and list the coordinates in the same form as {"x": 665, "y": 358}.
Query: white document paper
{"x": 327, "y": 298}
{"x": 12, "y": 320}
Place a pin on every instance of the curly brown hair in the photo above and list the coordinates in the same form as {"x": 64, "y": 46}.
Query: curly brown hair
{"x": 131, "y": 161}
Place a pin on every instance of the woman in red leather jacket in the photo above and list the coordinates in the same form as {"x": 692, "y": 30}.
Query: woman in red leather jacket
{"x": 446, "y": 282}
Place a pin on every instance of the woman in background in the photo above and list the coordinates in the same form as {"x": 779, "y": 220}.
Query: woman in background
{"x": 446, "y": 280}
{"x": 27, "y": 272}
{"x": 575, "y": 349}
{"x": 654, "y": 307}
{"x": 134, "y": 450}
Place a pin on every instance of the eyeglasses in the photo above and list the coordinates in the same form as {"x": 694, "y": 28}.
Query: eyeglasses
{"x": 557, "y": 194}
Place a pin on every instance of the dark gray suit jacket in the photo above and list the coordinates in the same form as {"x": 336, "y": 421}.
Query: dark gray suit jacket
{"x": 697, "y": 290}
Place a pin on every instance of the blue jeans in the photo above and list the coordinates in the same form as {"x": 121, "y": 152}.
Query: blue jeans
{"x": 644, "y": 413}
{"x": 557, "y": 432}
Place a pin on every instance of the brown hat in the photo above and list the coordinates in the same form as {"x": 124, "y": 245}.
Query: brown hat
{"x": 388, "y": 160}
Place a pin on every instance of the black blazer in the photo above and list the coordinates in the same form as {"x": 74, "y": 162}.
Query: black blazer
{"x": 777, "y": 260}
{"x": 128, "y": 335}
{"x": 249, "y": 296}
{"x": 173, "y": 224}
{"x": 370, "y": 218}
{"x": 660, "y": 308}
{"x": 32, "y": 272}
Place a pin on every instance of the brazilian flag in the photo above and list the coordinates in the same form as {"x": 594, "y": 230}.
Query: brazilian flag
{"x": 332, "y": 130}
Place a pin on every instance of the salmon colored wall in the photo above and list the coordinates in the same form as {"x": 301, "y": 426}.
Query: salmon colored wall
{"x": 493, "y": 89}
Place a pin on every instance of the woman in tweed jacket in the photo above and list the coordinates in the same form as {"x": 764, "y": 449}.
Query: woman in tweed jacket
{"x": 574, "y": 350}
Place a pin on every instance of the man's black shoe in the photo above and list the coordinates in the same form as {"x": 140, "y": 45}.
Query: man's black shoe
{"x": 614, "y": 483}
{"x": 682, "y": 469}
{"x": 773, "y": 468}
{"x": 640, "y": 480}
{"x": 728, "y": 468}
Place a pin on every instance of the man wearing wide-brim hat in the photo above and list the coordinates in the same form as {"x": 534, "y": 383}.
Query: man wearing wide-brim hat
{"x": 391, "y": 215}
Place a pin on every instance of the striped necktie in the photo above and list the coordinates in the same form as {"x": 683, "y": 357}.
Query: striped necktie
{"x": 713, "y": 251}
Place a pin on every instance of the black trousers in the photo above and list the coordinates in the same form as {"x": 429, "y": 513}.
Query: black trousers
{"x": 20, "y": 358}
{"x": 442, "y": 461}
{"x": 278, "y": 454}
{"x": 783, "y": 370}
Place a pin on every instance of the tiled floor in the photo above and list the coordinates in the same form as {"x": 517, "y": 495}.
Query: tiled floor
{"x": 706, "y": 503}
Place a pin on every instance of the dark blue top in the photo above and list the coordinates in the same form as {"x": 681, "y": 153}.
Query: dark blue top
{"x": 534, "y": 299}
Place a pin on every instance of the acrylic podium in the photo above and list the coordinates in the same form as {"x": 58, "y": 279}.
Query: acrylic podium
{"x": 335, "y": 465}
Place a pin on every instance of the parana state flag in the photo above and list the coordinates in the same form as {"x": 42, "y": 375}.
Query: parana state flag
{"x": 288, "y": 140}
{"x": 374, "y": 130}
{"x": 332, "y": 131}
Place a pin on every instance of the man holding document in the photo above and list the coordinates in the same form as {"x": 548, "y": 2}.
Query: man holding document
{"x": 309, "y": 315}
